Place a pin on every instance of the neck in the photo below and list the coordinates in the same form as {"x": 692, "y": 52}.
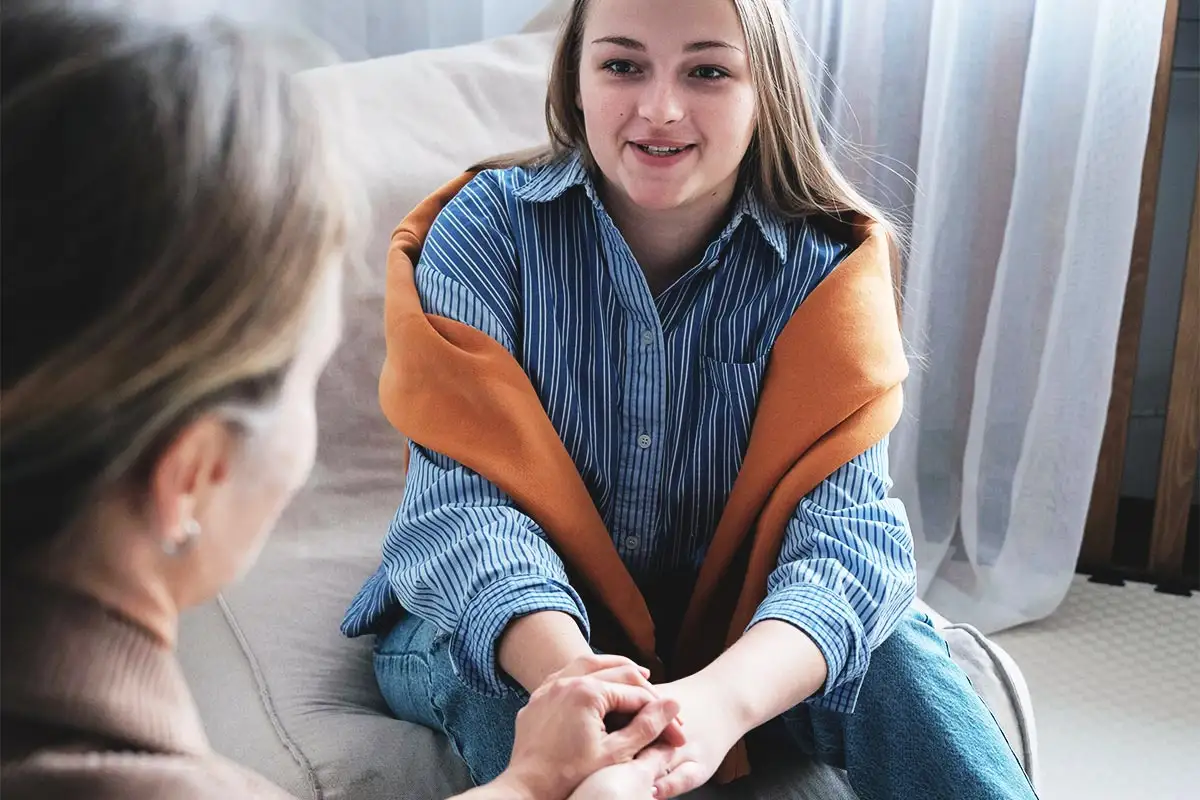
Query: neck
{"x": 668, "y": 242}
{"x": 120, "y": 569}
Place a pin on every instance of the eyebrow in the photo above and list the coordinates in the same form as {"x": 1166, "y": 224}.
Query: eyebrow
{"x": 693, "y": 47}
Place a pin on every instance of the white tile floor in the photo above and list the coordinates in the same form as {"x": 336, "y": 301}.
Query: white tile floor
{"x": 1115, "y": 680}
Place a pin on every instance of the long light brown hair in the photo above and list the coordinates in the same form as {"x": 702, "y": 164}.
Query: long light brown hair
{"x": 787, "y": 163}
{"x": 170, "y": 203}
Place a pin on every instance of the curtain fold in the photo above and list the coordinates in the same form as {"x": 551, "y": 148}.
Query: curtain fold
{"x": 1020, "y": 128}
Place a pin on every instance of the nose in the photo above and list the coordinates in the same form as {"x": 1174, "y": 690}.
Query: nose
{"x": 660, "y": 103}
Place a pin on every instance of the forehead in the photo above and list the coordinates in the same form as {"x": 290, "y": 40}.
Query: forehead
{"x": 665, "y": 24}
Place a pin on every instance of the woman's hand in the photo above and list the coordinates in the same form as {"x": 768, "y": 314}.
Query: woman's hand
{"x": 713, "y": 728}
{"x": 616, "y": 668}
{"x": 561, "y": 737}
{"x": 741, "y": 690}
{"x": 632, "y": 780}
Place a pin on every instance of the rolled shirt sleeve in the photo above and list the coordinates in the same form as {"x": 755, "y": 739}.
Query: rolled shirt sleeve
{"x": 846, "y": 572}
{"x": 463, "y": 557}
{"x": 460, "y": 553}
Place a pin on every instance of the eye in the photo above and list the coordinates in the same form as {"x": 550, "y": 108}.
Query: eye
{"x": 710, "y": 73}
{"x": 619, "y": 67}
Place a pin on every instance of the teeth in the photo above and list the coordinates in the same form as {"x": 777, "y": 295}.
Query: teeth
{"x": 660, "y": 151}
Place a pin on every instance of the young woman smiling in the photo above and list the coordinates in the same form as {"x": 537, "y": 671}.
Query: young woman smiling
{"x": 641, "y": 274}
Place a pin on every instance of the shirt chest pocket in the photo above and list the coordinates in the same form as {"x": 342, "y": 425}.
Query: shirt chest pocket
{"x": 731, "y": 391}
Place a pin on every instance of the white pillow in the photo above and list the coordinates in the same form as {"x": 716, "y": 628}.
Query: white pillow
{"x": 418, "y": 119}
{"x": 413, "y": 121}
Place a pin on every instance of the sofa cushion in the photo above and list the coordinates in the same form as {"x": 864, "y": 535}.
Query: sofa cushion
{"x": 281, "y": 691}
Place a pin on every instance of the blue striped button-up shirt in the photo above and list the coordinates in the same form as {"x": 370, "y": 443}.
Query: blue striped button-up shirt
{"x": 653, "y": 398}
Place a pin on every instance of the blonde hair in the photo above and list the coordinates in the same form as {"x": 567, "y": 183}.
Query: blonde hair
{"x": 171, "y": 201}
{"x": 787, "y": 163}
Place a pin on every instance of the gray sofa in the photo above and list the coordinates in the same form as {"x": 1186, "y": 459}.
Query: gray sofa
{"x": 279, "y": 689}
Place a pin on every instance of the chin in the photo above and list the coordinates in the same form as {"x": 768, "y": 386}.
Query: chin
{"x": 657, "y": 198}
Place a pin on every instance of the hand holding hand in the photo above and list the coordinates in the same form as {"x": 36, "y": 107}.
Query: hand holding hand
{"x": 632, "y": 780}
{"x": 561, "y": 737}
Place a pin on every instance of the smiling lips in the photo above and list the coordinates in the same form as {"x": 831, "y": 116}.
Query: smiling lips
{"x": 660, "y": 153}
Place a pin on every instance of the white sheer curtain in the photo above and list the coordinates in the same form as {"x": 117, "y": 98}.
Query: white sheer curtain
{"x": 1012, "y": 135}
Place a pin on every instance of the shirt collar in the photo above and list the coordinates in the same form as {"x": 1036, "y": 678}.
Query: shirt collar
{"x": 770, "y": 224}
{"x": 551, "y": 181}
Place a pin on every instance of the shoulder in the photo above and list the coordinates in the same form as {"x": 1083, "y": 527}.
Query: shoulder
{"x": 131, "y": 776}
{"x": 499, "y": 214}
{"x": 470, "y": 241}
{"x": 497, "y": 189}
{"x": 816, "y": 245}
{"x": 811, "y": 251}
{"x": 485, "y": 212}
{"x": 512, "y": 192}
{"x": 480, "y": 207}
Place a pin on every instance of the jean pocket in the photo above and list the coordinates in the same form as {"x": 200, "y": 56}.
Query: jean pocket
{"x": 403, "y": 661}
{"x": 407, "y": 688}
{"x": 409, "y": 635}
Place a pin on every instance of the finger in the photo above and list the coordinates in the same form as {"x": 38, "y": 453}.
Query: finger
{"x": 645, "y": 728}
{"x": 680, "y": 780}
{"x": 590, "y": 688}
{"x": 642, "y": 775}
{"x": 630, "y": 674}
{"x": 599, "y": 697}
{"x": 621, "y": 698}
{"x": 673, "y": 734}
{"x": 657, "y": 758}
{"x": 586, "y": 665}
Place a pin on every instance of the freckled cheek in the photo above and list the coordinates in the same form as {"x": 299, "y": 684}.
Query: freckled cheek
{"x": 607, "y": 119}
{"x": 606, "y": 106}
{"x": 612, "y": 111}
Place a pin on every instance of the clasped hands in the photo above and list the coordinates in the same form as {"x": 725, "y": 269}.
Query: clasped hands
{"x": 599, "y": 730}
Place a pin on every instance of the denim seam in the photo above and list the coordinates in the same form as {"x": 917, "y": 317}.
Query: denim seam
{"x": 440, "y": 715}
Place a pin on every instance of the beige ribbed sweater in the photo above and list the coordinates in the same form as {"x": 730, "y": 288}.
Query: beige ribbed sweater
{"x": 91, "y": 706}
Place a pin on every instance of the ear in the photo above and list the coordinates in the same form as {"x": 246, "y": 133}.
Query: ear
{"x": 192, "y": 468}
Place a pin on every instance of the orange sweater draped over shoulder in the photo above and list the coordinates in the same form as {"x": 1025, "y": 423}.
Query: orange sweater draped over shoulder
{"x": 831, "y": 390}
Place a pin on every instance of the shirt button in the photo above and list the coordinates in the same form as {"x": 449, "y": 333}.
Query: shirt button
{"x": 632, "y": 542}
{"x": 647, "y": 337}
{"x": 644, "y": 441}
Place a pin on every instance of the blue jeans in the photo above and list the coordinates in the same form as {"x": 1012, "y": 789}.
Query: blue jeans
{"x": 919, "y": 730}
